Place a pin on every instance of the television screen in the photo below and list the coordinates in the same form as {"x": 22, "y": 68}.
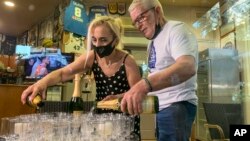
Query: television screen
{"x": 41, "y": 63}
{"x": 23, "y": 51}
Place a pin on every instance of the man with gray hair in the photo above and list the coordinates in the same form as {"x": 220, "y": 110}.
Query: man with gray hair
{"x": 172, "y": 63}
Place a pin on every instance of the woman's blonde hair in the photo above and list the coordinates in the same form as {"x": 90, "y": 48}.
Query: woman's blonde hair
{"x": 115, "y": 26}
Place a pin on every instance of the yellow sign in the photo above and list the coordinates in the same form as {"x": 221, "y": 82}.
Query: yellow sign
{"x": 112, "y": 8}
{"x": 73, "y": 43}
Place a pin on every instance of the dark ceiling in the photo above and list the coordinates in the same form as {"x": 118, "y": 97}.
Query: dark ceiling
{"x": 16, "y": 20}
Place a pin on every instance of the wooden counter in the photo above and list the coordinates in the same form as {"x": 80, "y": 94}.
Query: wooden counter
{"x": 10, "y": 101}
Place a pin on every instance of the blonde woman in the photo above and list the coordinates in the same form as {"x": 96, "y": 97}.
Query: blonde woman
{"x": 115, "y": 71}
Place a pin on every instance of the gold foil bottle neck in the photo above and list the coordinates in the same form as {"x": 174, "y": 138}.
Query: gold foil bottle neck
{"x": 36, "y": 102}
{"x": 150, "y": 105}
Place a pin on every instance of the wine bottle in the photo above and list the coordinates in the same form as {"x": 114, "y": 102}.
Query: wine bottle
{"x": 37, "y": 102}
{"x": 150, "y": 105}
{"x": 76, "y": 102}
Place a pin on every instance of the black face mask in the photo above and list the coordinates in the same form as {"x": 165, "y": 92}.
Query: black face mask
{"x": 157, "y": 30}
{"x": 103, "y": 51}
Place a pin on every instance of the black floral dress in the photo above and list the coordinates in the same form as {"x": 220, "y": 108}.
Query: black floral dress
{"x": 116, "y": 84}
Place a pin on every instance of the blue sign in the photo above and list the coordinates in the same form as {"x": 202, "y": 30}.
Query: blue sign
{"x": 96, "y": 11}
{"x": 76, "y": 19}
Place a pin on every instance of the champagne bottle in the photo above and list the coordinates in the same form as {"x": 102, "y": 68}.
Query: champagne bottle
{"x": 87, "y": 83}
{"x": 37, "y": 102}
{"x": 150, "y": 105}
{"x": 76, "y": 102}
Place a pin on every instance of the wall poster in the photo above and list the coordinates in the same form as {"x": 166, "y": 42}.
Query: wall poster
{"x": 45, "y": 30}
{"x": 228, "y": 41}
{"x": 32, "y": 36}
{"x": 22, "y": 39}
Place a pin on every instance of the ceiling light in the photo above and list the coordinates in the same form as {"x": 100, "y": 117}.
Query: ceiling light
{"x": 9, "y": 3}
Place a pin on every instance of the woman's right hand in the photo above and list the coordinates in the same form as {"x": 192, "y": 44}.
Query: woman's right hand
{"x": 38, "y": 88}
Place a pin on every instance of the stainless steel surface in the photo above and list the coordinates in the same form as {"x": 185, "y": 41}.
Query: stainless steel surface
{"x": 218, "y": 74}
{"x": 217, "y": 79}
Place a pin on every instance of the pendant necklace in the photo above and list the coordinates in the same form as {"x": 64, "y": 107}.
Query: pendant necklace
{"x": 109, "y": 64}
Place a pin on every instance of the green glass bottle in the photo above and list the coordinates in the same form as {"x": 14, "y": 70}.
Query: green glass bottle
{"x": 150, "y": 105}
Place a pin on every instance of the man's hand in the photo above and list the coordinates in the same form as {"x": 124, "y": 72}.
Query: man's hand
{"x": 132, "y": 99}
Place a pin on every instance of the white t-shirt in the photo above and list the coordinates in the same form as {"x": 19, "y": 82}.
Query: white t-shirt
{"x": 172, "y": 42}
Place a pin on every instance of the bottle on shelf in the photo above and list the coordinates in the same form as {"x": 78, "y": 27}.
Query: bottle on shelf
{"x": 87, "y": 84}
{"x": 37, "y": 102}
{"x": 150, "y": 105}
{"x": 76, "y": 102}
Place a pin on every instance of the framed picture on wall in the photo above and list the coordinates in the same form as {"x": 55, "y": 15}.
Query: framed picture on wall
{"x": 8, "y": 46}
{"x": 32, "y": 36}
{"x": 46, "y": 29}
{"x": 42, "y": 30}
{"x": 22, "y": 39}
{"x": 228, "y": 41}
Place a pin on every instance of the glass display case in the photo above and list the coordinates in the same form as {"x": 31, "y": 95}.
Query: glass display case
{"x": 233, "y": 25}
